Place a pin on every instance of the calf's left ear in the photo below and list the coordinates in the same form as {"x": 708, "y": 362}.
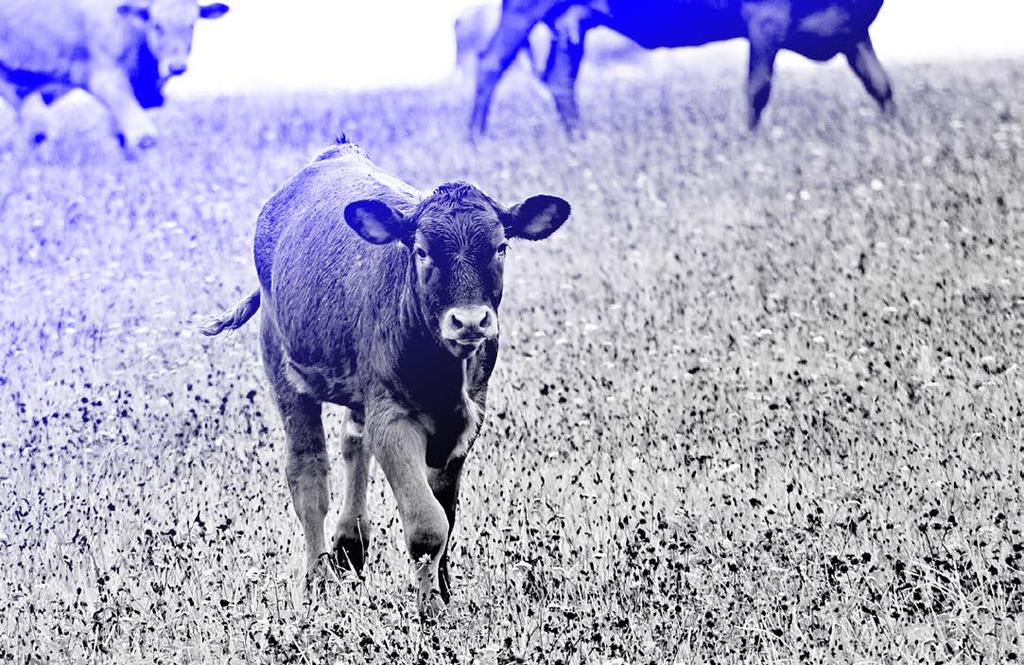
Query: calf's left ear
{"x": 377, "y": 222}
{"x": 213, "y": 10}
{"x": 536, "y": 218}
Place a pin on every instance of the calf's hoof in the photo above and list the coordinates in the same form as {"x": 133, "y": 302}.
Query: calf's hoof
{"x": 431, "y": 605}
{"x": 319, "y": 576}
{"x": 350, "y": 553}
{"x": 446, "y": 591}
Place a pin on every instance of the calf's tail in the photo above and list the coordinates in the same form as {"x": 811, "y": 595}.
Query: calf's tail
{"x": 234, "y": 318}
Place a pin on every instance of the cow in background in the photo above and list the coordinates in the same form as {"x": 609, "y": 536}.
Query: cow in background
{"x": 817, "y": 29}
{"x": 122, "y": 52}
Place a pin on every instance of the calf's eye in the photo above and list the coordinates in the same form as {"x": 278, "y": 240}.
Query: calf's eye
{"x": 502, "y": 248}
{"x": 421, "y": 253}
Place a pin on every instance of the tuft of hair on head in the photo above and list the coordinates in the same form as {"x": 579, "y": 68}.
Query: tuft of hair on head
{"x": 457, "y": 194}
{"x": 338, "y": 147}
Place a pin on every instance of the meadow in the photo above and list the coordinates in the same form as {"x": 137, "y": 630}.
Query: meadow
{"x": 760, "y": 401}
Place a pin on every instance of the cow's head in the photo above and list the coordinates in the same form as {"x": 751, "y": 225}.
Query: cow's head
{"x": 168, "y": 25}
{"x": 456, "y": 241}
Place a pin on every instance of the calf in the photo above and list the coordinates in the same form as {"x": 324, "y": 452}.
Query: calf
{"x": 383, "y": 299}
{"x": 123, "y": 52}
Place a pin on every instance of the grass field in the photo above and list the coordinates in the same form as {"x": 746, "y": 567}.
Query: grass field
{"x": 761, "y": 400}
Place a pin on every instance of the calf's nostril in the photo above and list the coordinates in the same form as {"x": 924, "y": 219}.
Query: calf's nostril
{"x": 455, "y": 322}
{"x": 485, "y": 320}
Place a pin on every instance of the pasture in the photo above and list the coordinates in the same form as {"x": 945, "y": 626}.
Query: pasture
{"x": 761, "y": 400}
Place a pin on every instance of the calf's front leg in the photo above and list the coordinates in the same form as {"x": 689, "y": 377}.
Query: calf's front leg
{"x": 444, "y": 483}
{"x": 399, "y": 444}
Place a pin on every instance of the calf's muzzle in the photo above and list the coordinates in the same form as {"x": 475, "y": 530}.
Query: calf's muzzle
{"x": 469, "y": 325}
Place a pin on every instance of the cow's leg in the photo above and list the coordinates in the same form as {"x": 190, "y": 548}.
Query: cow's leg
{"x": 306, "y": 465}
{"x": 444, "y": 483}
{"x": 9, "y": 94}
{"x": 399, "y": 444}
{"x": 34, "y": 115}
{"x": 560, "y": 75}
{"x": 111, "y": 86}
{"x": 869, "y": 70}
{"x": 766, "y": 30}
{"x": 353, "y": 534}
{"x": 538, "y": 45}
{"x": 517, "y": 19}
{"x": 759, "y": 83}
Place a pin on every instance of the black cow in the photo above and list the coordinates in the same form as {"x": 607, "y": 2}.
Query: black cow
{"x": 817, "y": 29}
{"x": 383, "y": 299}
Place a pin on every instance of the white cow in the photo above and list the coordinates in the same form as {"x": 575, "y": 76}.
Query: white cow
{"x": 121, "y": 51}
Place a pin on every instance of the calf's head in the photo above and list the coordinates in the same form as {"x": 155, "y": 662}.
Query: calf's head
{"x": 168, "y": 25}
{"x": 456, "y": 241}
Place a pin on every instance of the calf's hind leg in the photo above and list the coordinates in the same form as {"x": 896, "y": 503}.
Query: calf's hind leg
{"x": 307, "y": 472}
{"x": 306, "y": 466}
{"x": 869, "y": 70}
{"x": 353, "y": 534}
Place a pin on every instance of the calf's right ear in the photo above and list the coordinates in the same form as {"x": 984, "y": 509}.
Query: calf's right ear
{"x": 377, "y": 222}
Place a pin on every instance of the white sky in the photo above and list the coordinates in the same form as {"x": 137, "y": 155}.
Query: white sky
{"x": 352, "y": 44}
